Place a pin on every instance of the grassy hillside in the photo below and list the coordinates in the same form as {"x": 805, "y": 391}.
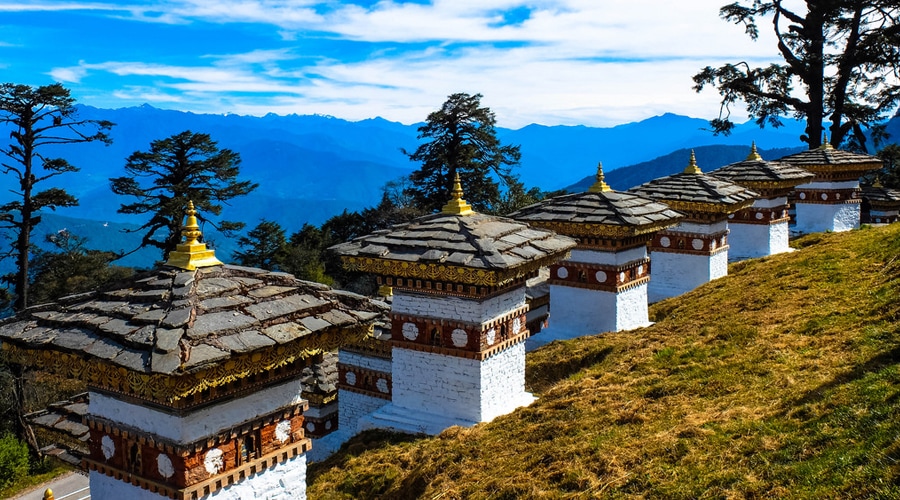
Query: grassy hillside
{"x": 779, "y": 381}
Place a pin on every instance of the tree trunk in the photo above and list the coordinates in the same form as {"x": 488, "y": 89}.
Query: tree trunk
{"x": 23, "y": 428}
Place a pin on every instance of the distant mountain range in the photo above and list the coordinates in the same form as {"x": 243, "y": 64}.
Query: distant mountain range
{"x": 708, "y": 158}
{"x": 310, "y": 168}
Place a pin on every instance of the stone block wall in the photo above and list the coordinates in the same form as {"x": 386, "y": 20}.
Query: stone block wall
{"x": 465, "y": 389}
{"x": 455, "y": 308}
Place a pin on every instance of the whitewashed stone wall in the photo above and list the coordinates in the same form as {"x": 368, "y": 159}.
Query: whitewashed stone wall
{"x": 285, "y": 481}
{"x": 608, "y": 258}
{"x": 466, "y": 390}
{"x": 362, "y": 361}
{"x": 631, "y": 308}
{"x": 454, "y": 308}
{"x": 355, "y": 406}
{"x": 678, "y": 273}
{"x": 814, "y": 218}
{"x": 693, "y": 227}
{"x": 576, "y": 312}
{"x": 830, "y": 185}
{"x": 581, "y": 311}
{"x": 198, "y": 424}
{"x": 749, "y": 241}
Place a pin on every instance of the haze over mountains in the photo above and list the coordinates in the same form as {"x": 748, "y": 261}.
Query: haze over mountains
{"x": 312, "y": 167}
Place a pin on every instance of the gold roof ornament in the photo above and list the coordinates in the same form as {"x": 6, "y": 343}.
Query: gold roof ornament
{"x": 692, "y": 167}
{"x": 600, "y": 186}
{"x": 877, "y": 183}
{"x": 754, "y": 155}
{"x": 192, "y": 254}
{"x": 825, "y": 143}
{"x": 457, "y": 205}
{"x": 48, "y": 494}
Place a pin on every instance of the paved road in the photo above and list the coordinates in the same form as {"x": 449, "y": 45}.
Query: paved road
{"x": 72, "y": 486}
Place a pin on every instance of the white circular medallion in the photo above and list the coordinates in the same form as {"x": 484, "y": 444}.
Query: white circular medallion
{"x": 601, "y": 277}
{"x": 283, "y": 431}
{"x": 491, "y": 336}
{"x": 697, "y": 244}
{"x": 310, "y": 426}
{"x": 640, "y": 270}
{"x": 382, "y": 386}
{"x": 214, "y": 461}
{"x": 731, "y": 216}
{"x": 108, "y": 447}
{"x": 837, "y": 195}
{"x": 459, "y": 337}
{"x": 516, "y": 326}
{"x": 824, "y": 196}
{"x": 802, "y": 196}
{"x": 622, "y": 277}
{"x": 665, "y": 242}
{"x": 562, "y": 273}
{"x": 410, "y": 331}
{"x": 328, "y": 425}
{"x": 164, "y": 466}
{"x": 350, "y": 378}
{"x": 759, "y": 215}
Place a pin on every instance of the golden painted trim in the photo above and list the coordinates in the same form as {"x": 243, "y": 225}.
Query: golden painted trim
{"x": 709, "y": 208}
{"x": 445, "y": 272}
{"x": 593, "y": 230}
{"x": 168, "y": 389}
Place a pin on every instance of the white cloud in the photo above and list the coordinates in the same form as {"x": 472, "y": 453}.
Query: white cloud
{"x": 571, "y": 61}
{"x": 68, "y": 75}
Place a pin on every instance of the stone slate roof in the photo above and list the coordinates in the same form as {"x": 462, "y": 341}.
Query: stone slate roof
{"x": 170, "y": 321}
{"x": 476, "y": 241}
{"x": 881, "y": 196}
{"x": 828, "y": 157}
{"x": 65, "y": 417}
{"x": 605, "y": 208}
{"x": 758, "y": 173}
{"x": 685, "y": 190}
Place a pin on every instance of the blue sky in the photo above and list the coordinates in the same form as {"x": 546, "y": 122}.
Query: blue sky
{"x": 591, "y": 62}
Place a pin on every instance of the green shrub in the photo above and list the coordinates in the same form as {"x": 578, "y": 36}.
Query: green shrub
{"x": 13, "y": 460}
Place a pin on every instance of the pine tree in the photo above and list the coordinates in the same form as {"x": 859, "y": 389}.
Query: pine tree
{"x": 843, "y": 53}
{"x": 39, "y": 118}
{"x": 184, "y": 167}
{"x": 461, "y": 138}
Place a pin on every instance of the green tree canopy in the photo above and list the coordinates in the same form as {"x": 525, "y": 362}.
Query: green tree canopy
{"x": 184, "y": 167}
{"x": 71, "y": 268}
{"x": 38, "y": 118}
{"x": 461, "y": 138}
{"x": 264, "y": 247}
{"x": 843, "y": 55}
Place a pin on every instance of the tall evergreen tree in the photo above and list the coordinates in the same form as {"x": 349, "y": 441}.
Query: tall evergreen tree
{"x": 184, "y": 167}
{"x": 38, "y": 118}
{"x": 264, "y": 246}
{"x": 71, "y": 267}
{"x": 461, "y": 138}
{"x": 844, "y": 54}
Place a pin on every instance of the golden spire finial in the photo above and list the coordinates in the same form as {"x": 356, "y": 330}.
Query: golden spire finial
{"x": 192, "y": 254}
{"x": 825, "y": 143}
{"x": 457, "y": 205}
{"x": 692, "y": 167}
{"x": 754, "y": 155}
{"x": 600, "y": 186}
{"x": 877, "y": 183}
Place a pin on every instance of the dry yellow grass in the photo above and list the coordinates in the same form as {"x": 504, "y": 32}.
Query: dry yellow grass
{"x": 780, "y": 380}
